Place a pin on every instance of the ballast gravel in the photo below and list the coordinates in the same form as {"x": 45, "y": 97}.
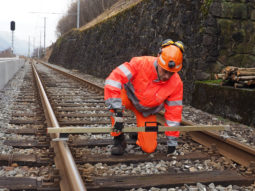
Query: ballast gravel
{"x": 10, "y": 92}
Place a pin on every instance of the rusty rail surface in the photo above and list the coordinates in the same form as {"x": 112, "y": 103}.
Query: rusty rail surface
{"x": 70, "y": 177}
{"x": 227, "y": 147}
{"x": 93, "y": 86}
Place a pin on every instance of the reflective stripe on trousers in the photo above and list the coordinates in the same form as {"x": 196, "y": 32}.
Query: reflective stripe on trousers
{"x": 172, "y": 141}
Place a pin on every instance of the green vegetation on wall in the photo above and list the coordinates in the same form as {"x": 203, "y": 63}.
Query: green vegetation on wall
{"x": 205, "y": 7}
{"x": 209, "y": 82}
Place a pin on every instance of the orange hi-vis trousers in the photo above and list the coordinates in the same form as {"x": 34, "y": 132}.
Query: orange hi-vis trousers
{"x": 146, "y": 140}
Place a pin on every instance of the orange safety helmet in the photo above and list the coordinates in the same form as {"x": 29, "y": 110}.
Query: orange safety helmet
{"x": 171, "y": 56}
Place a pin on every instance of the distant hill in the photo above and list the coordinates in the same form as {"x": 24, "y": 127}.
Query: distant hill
{"x": 20, "y": 46}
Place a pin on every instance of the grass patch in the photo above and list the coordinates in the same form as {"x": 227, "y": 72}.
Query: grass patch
{"x": 210, "y": 81}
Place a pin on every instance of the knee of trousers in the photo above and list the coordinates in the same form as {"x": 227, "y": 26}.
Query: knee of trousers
{"x": 149, "y": 149}
{"x": 147, "y": 141}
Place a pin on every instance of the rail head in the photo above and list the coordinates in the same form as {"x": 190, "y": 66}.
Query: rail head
{"x": 70, "y": 177}
{"x": 96, "y": 87}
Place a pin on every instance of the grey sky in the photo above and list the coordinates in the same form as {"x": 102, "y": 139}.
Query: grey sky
{"x": 32, "y": 24}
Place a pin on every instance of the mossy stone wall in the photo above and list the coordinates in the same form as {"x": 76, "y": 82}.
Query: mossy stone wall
{"x": 235, "y": 104}
{"x": 236, "y": 22}
{"x": 216, "y": 33}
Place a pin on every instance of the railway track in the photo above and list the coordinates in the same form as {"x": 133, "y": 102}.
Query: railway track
{"x": 201, "y": 157}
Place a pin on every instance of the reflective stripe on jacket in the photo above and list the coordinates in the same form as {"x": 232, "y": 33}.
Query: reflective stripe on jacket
{"x": 148, "y": 94}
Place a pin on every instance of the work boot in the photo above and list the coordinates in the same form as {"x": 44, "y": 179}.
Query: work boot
{"x": 170, "y": 149}
{"x": 119, "y": 145}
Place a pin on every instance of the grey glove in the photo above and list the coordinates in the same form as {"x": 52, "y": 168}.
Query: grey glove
{"x": 118, "y": 120}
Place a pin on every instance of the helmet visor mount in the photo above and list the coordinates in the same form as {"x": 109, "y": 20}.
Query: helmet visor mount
{"x": 171, "y": 64}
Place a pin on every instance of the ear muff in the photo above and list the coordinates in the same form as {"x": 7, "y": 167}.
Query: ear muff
{"x": 180, "y": 45}
{"x": 167, "y": 42}
{"x": 160, "y": 51}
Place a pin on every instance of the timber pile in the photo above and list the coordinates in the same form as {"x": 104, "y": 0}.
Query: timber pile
{"x": 237, "y": 77}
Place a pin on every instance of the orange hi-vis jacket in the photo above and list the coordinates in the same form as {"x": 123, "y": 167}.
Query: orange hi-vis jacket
{"x": 149, "y": 95}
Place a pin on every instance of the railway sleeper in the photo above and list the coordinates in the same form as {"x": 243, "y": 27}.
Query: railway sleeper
{"x": 133, "y": 158}
{"x": 24, "y": 144}
{"x": 25, "y": 159}
{"x": 27, "y": 183}
{"x": 75, "y": 142}
{"x": 224, "y": 178}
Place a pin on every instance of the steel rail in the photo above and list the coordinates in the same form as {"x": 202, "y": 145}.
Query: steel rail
{"x": 228, "y": 147}
{"x": 83, "y": 81}
{"x": 70, "y": 177}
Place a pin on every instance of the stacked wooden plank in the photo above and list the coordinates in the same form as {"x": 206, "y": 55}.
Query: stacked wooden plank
{"x": 238, "y": 77}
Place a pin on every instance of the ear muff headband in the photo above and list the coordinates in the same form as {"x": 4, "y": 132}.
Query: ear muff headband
{"x": 165, "y": 43}
{"x": 180, "y": 45}
{"x": 168, "y": 42}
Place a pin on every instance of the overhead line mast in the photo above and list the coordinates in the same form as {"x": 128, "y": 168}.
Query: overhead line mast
{"x": 78, "y": 22}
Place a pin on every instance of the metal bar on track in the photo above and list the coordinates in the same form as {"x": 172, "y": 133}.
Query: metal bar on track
{"x": 87, "y": 129}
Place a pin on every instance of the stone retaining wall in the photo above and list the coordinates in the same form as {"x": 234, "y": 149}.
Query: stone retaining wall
{"x": 235, "y": 104}
{"x": 215, "y": 33}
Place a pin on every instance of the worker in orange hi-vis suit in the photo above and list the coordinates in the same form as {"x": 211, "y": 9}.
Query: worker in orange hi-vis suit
{"x": 145, "y": 85}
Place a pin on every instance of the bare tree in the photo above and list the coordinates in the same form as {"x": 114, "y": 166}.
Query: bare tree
{"x": 89, "y": 9}
{"x": 38, "y": 52}
{"x": 6, "y": 53}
